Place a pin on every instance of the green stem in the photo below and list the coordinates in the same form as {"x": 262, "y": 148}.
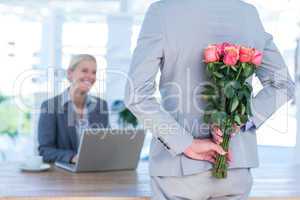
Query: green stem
{"x": 238, "y": 76}
{"x": 220, "y": 167}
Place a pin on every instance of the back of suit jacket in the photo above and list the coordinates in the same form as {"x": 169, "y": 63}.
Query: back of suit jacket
{"x": 172, "y": 39}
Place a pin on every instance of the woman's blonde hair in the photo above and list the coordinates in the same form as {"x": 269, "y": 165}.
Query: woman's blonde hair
{"x": 76, "y": 59}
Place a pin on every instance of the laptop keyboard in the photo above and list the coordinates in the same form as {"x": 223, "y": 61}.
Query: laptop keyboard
{"x": 65, "y": 165}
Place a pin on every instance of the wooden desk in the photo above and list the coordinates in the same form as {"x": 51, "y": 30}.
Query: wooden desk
{"x": 60, "y": 183}
{"x": 280, "y": 183}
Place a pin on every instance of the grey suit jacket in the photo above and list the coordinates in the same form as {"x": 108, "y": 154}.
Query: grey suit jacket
{"x": 56, "y": 129}
{"x": 171, "y": 41}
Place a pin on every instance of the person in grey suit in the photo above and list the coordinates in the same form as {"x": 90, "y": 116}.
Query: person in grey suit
{"x": 172, "y": 39}
{"x": 64, "y": 117}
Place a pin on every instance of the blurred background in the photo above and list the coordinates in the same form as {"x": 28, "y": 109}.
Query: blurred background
{"x": 38, "y": 37}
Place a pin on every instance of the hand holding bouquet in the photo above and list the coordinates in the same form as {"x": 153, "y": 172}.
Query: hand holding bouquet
{"x": 229, "y": 94}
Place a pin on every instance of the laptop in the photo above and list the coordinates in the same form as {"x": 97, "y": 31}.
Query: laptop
{"x": 107, "y": 150}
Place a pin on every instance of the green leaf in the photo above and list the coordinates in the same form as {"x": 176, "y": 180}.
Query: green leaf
{"x": 213, "y": 103}
{"x": 244, "y": 94}
{"x": 235, "y": 84}
{"x": 244, "y": 119}
{"x": 210, "y": 106}
{"x": 229, "y": 90}
{"x": 210, "y": 109}
{"x": 221, "y": 83}
{"x": 237, "y": 119}
{"x": 248, "y": 108}
{"x": 210, "y": 68}
{"x": 248, "y": 87}
{"x": 207, "y": 118}
{"x": 207, "y": 97}
{"x": 242, "y": 109}
{"x": 248, "y": 70}
{"x": 234, "y": 104}
{"x": 223, "y": 66}
{"x": 210, "y": 87}
{"x": 218, "y": 117}
{"x": 208, "y": 92}
{"x": 227, "y": 70}
{"x": 240, "y": 94}
{"x": 234, "y": 68}
{"x": 218, "y": 75}
{"x": 218, "y": 63}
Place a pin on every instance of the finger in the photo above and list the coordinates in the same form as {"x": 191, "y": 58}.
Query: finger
{"x": 216, "y": 130}
{"x": 188, "y": 151}
{"x": 218, "y": 139}
{"x": 218, "y": 149}
{"x": 219, "y": 132}
{"x": 210, "y": 158}
{"x": 194, "y": 156}
{"x": 213, "y": 154}
{"x": 217, "y": 136}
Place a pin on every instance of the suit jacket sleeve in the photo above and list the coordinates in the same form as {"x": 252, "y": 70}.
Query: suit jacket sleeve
{"x": 278, "y": 87}
{"x": 141, "y": 86}
{"x": 47, "y": 135}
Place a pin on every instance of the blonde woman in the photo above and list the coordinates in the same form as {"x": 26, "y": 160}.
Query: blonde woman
{"x": 64, "y": 117}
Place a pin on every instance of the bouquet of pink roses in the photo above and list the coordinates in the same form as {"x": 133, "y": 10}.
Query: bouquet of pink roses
{"x": 228, "y": 95}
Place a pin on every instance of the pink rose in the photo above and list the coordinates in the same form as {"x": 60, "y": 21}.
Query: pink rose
{"x": 231, "y": 55}
{"x": 246, "y": 54}
{"x": 221, "y": 48}
{"x": 257, "y": 57}
{"x": 211, "y": 54}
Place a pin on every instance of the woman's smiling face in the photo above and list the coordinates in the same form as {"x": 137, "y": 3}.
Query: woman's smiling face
{"x": 83, "y": 76}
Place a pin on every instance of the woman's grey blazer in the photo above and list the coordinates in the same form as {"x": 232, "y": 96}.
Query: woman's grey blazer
{"x": 56, "y": 128}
